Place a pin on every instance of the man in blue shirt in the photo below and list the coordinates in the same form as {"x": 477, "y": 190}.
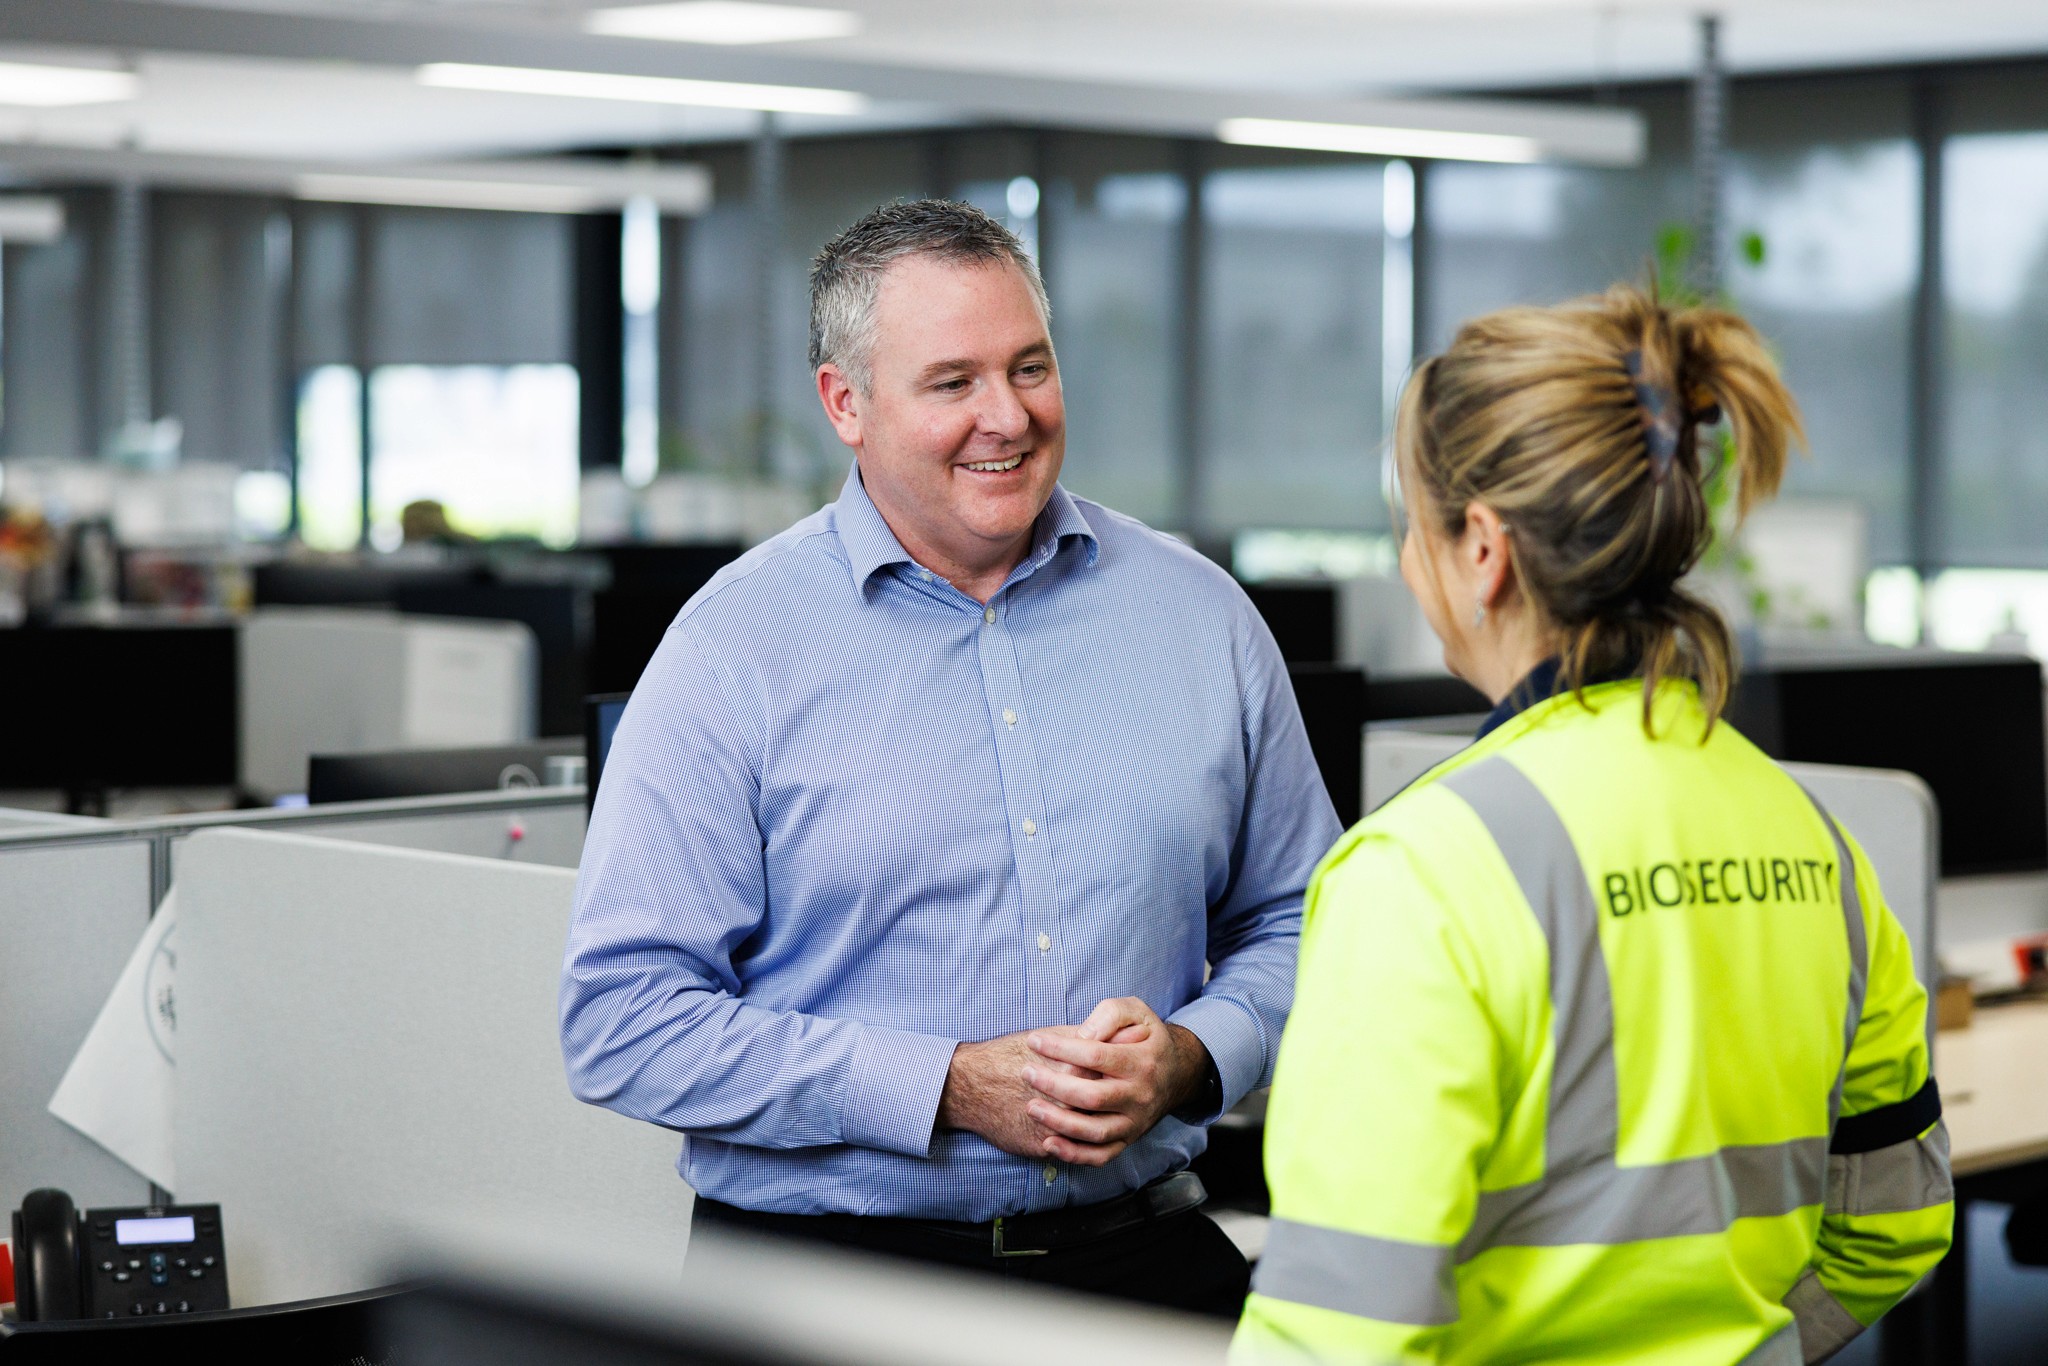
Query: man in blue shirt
{"x": 946, "y": 876}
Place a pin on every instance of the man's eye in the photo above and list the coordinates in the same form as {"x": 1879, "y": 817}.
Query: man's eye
{"x": 951, "y": 386}
{"x": 1035, "y": 370}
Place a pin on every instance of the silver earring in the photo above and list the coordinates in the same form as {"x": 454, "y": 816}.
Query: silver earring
{"x": 1479, "y": 613}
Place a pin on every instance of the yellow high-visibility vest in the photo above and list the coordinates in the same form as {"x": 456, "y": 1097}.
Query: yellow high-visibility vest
{"x": 1605, "y": 1048}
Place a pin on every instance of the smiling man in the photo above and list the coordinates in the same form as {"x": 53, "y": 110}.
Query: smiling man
{"x": 946, "y": 876}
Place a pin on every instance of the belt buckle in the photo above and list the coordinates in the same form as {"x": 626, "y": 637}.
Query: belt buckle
{"x": 1000, "y": 1251}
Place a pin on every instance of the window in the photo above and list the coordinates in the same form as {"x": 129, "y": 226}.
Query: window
{"x": 1995, "y": 278}
{"x": 464, "y": 318}
{"x": 1501, "y": 235}
{"x": 1831, "y": 182}
{"x": 1291, "y": 331}
{"x": 1114, "y": 210}
{"x": 330, "y": 458}
{"x": 220, "y": 269}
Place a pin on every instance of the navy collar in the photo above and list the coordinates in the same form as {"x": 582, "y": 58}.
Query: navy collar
{"x": 871, "y": 546}
{"x": 1539, "y": 685}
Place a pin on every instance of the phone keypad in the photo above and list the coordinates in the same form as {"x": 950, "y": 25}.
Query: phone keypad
{"x": 160, "y": 1279}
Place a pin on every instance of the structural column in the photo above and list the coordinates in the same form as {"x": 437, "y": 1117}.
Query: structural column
{"x": 1709, "y": 148}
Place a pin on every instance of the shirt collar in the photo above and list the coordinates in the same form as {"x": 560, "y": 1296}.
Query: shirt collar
{"x": 871, "y": 546}
{"x": 1538, "y": 685}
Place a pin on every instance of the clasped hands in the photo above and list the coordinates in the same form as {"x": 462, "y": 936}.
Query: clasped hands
{"x": 1074, "y": 1093}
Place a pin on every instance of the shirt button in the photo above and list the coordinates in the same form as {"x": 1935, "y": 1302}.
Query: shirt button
{"x": 1044, "y": 943}
{"x": 1009, "y": 718}
{"x": 925, "y": 574}
{"x": 1030, "y": 828}
{"x": 1052, "y": 1173}
{"x": 988, "y": 614}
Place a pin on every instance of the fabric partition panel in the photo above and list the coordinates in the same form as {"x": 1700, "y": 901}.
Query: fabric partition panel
{"x": 548, "y": 835}
{"x": 70, "y": 916}
{"x": 368, "y": 1046}
{"x": 1892, "y": 815}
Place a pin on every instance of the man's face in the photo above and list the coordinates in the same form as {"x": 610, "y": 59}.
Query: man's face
{"x": 962, "y": 437}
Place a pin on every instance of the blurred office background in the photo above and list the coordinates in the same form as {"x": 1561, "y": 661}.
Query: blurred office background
{"x": 261, "y": 290}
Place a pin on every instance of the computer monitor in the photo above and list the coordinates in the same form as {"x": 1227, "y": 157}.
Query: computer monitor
{"x": 650, "y": 584}
{"x": 1969, "y": 725}
{"x": 384, "y": 774}
{"x": 1411, "y": 697}
{"x": 1332, "y": 702}
{"x": 1302, "y": 617}
{"x": 93, "y": 707}
{"x": 600, "y": 721}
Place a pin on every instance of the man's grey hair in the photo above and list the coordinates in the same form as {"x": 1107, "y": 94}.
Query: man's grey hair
{"x": 847, "y": 275}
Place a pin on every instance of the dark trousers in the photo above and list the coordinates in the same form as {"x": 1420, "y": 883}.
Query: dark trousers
{"x": 1181, "y": 1262}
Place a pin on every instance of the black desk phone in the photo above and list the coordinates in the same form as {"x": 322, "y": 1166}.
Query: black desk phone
{"x": 116, "y": 1263}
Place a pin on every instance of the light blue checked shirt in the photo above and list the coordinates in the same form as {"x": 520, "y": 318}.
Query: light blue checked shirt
{"x": 851, "y": 819}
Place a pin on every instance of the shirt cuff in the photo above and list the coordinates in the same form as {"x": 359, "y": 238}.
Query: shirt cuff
{"x": 893, "y": 1085}
{"x": 1235, "y": 1042}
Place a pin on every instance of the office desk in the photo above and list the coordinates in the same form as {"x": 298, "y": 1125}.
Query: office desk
{"x": 1997, "y": 1113}
{"x": 1997, "y": 1110}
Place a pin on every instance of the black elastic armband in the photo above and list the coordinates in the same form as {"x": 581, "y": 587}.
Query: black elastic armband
{"x": 1887, "y": 1124}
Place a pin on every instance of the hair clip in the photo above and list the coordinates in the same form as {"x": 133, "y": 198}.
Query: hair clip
{"x": 1661, "y": 420}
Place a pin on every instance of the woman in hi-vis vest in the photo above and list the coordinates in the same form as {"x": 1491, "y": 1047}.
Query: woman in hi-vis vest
{"x": 1605, "y": 1047}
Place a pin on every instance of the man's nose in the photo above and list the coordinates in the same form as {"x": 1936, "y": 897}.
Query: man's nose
{"x": 1003, "y": 413}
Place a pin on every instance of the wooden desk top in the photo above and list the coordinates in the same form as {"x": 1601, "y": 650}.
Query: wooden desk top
{"x": 1994, "y": 1086}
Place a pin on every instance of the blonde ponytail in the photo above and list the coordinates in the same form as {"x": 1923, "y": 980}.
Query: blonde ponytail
{"x": 1581, "y": 426}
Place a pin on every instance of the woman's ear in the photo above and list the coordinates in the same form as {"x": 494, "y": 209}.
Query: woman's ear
{"x": 1488, "y": 554}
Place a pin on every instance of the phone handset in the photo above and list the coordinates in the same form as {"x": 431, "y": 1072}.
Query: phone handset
{"x": 48, "y": 1283}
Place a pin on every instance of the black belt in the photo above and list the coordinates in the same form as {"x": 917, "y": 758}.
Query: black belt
{"x": 1014, "y": 1235}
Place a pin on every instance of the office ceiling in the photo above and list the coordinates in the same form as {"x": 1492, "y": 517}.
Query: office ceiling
{"x": 333, "y": 78}
{"x": 1346, "y": 46}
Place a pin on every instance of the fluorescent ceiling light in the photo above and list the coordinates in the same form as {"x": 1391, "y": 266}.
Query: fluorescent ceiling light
{"x": 598, "y": 85}
{"x": 726, "y": 22}
{"x": 1436, "y": 144}
{"x": 418, "y": 191}
{"x": 48, "y": 87}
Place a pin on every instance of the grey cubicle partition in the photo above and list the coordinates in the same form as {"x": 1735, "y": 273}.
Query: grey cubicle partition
{"x": 539, "y": 825}
{"x": 14, "y": 818}
{"x": 69, "y": 917}
{"x": 367, "y": 1042}
{"x": 1891, "y": 814}
{"x": 76, "y": 894}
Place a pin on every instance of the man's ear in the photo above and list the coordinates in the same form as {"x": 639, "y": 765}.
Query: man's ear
{"x": 1488, "y": 553}
{"x": 843, "y": 403}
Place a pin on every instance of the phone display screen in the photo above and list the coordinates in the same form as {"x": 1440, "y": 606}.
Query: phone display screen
{"x": 129, "y": 1232}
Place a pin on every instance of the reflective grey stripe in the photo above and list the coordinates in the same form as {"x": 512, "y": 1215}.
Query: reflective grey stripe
{"x": 1373, "y": 1278}
{"x": 1859, "y": 951}
{"x": 1824, "y": 1326}
{"x": 1908, "y": 1176}
{"x": 1608, "y": 1203}
{"x": 1779, "y": 1349}
{"x": 1583, "y": 1126}
{"x": 1585, "y": 1195}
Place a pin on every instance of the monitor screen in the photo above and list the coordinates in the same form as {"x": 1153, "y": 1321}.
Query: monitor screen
{"x": 601, "y": 721}
{"x": 1970, "y": 726}
{"x": 384, "y": 774}
{"x": 100, "y": 707}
